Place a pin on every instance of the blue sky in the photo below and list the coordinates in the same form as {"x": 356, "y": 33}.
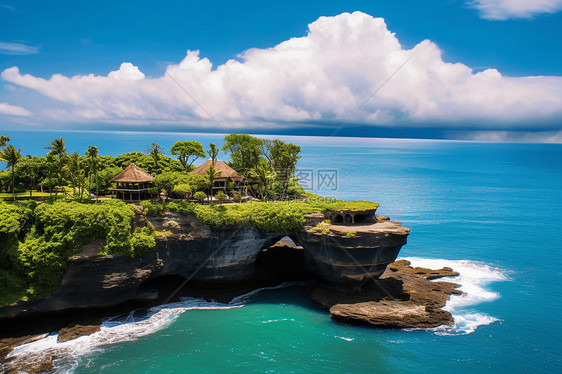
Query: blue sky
{"x": 73, "y": 38}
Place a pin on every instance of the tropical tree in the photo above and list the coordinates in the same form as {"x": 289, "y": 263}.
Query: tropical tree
{"x": 283, "y": 159}
{"x": 11, "y": 157}
{"x": 77, "y": 174}
{"x": 245, "y": 151}
{"x": 212, "y": 175}
{"x": 213, "y": 153}
{"x": 4, "y": 140}
{"x": 58, "y": 147}
{"x": 155, "y": 151}
{"x": 93, "y": 160}
{"x": 31, "y": 170}
{"x": 186, "y": 150}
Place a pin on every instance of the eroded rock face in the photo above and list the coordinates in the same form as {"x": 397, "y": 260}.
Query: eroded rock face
{"x": 402, "y": 297}
{"x": 202, "y": 253}
{"x": 352, "y": 254}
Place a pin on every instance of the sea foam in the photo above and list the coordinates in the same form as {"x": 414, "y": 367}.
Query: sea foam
{"x": 474, "y": 277}
{"x": 119, "y": 329}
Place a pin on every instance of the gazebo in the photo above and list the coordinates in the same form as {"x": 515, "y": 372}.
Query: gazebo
{"x": 227, "y": 174}
{"x": 133, "y": 184}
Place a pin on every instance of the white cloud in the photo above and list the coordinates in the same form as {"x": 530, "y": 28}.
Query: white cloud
{"x": 506, "y": 9}
{"x": 322, "y": 77}
{"x": 13, "y": 110}
{"x": 17, "y": 49}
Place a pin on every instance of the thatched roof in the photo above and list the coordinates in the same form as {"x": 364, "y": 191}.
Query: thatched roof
{"x": 226, "y": 171}
{"x": 133, "y": 174}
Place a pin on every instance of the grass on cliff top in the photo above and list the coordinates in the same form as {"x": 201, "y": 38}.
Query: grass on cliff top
{"x": 269, "y": 216}
{"x": 38, "y": 240}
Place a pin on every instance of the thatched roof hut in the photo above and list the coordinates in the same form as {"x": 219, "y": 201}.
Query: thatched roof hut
{"x": 133, "y": 183}
{"x": 133, "y": 174}
{"x": 227, "y": 173}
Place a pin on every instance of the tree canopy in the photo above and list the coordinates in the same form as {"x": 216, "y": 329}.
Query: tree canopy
{"x": 187, "y": 152}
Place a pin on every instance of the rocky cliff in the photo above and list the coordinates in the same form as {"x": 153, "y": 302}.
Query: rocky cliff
{"x": 195, "y": 252}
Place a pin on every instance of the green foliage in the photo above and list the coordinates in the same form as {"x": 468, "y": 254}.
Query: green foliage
{"x": 351, "y": 234}
{"x": 39, "y": 241}
{"x": 200, "y": 195}
{"x": 186, "y": 150}
{"x": 270, "y": 216}
{"x": 221, "y": 196}
{"x": 236, "y": 196}
{"x": 152, "y": 209}
{"x": 244, "y": 151}
{"x": 183, "y": 190}
{"x": 146, "y": 162}
{"x": 168, "y": 180}
{"x": 4, "y": 140}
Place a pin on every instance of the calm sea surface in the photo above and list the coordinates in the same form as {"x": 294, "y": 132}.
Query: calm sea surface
{"x": 492, "y": 211}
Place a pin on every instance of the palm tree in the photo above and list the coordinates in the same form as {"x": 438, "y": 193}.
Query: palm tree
{"x": 76, "y": 174}
{"x": 155, "y": 151}
{"x": 11, "y": 157}
{"x": 58, "y": 147}
{"x": 92, "y": 154}
{"x": 212, "y": 174}
{"x": 213, "y": 152}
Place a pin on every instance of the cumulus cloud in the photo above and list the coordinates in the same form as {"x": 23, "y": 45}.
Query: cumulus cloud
{"x": 13, "y": 110}
{"x": 323, "y": 77}
{"x": 506, "y": 9}
{"x": 17, "y": 49}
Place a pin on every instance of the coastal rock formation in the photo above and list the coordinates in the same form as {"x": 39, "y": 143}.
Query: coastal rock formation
{"x": 192, "y": 251}
{"x": 402, "y": 297}
{"x": 75, "y": 331}
{"x": 352, "y": 254}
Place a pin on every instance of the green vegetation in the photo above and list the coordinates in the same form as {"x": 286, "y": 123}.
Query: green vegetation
{"x": 199, "y": 196}
{"x": 270, "y": 215}
{"x": 221, "y": 196}
{"x": 351, "y": 234}
{"x": 38, "y": 240}
{"x": 186, "y": 150}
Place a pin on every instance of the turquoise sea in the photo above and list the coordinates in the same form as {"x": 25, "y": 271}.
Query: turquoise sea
{"x": 491, "y": 211}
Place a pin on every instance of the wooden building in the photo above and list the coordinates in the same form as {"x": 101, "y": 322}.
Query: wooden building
{"x": 133, "y": 184}
{"x": 227, "y": 174}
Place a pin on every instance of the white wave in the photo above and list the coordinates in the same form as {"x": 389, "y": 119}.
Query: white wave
{"x": 118, "y": 330}
{"x": 344, "y": 338}
{"x": 473, "y": 278}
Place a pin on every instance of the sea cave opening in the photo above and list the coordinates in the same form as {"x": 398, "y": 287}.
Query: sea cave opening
{"x": 283, "y": 261}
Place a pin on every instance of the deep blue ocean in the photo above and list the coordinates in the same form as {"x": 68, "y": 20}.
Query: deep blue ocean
{"x": 491, "y": 211}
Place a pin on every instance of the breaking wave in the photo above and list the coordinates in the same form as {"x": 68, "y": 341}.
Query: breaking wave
{"x": 118, "y": 330}
{"x": 474, "y": 277}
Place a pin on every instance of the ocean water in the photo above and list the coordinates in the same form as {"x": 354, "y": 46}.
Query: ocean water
{"x": 491, "y": 211}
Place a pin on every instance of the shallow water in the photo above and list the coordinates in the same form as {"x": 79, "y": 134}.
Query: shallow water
{"x": 491, "y": 211}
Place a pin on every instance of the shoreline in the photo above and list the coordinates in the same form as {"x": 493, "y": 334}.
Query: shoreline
{"x": 400, "y": 271}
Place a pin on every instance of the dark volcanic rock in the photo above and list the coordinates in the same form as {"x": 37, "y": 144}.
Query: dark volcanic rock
{"x": 402, "y": 297}
{"x": 76, "y": 331}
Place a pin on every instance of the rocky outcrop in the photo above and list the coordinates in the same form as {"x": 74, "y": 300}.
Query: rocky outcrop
{"x": 402, "y": 297}
{"x": 352, "y": 254}
{"x": 195, "y": 252}
{"x": 76, "y": 330}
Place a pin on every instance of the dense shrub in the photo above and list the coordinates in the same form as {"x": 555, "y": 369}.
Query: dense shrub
{"x": 221, "y": 196}
{"x": 199, "y": 195}
{"x": 183, "y": 190}
{"x": 38, "y": 242}
{"x": 270, "y": 216}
